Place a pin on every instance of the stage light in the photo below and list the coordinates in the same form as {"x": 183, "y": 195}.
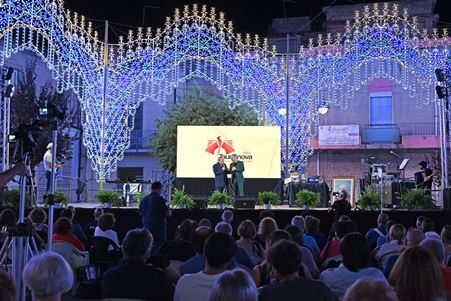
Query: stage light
{"x": 9, "y": 91}
{"x": 282, "y": 112}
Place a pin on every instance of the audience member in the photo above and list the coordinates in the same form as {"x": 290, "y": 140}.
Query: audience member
{"x": 28, "y": 225}
{"x": 62, "y": 232}
{"x": 309, "y": 241}
{"x": 181, "y": 248}
{"x": 416, "y": 276}
{"x": 7, "y": 221}
{"x": 427, "y": 225}
{"x": 312, "y": 229}
{"x": 369, "y": 289}
{"x": 332, "y": 248}
{"x": 196, "y": 263}
{"x": 154, "y": 213}
{"x": 373, "y": 234}
{"x": 227, "y": 216}
{"x": 307, "y": 257}
{"x": 247, "y": 233}
{"x": 241, "y": 256}
{"x": 39, "y": 219}
{"x": 355, "y": 255}
{"x": 394, "y": 246}
{"x": 8, "y": 287}
{"x": 205, "y": 222}
{"x": 134, "y": 279}
{"x": 91, "y": 226}
{"x": 262, "y": 272}
{"x": 219, "y": 250}
{"x": 265, "y": 228}
{"x": 383, "y": 239}
{"x": 235, "y": 285}
{"x": 446, "y": 238}
{"x": 104, "y": 229}
{"x": 285, "y": 259}
{"x": 413, "y": 238}
{"x": 437, "y": 249}
{"x": 77, "y": 230}
{"x": 419, "y": 221}
{"x": 265, "y": 213}
{"x": 48, "y": 276}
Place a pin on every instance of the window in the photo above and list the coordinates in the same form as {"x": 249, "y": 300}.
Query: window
{"x": 381, "y": 109}
{"x": 130, "y": 173}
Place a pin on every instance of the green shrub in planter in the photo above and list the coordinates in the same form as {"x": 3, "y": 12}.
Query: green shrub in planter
{"x": 60, "y": 197}
{"x": 220, "y": 198}
{"x": 308, "y": 198}
{"x": 139, "y": 196}
{"x": 11, "y": 198}
{"x": 369, "y": 199}
{"x": 417, "y": 199}
{"x": 180, "y": 199}
{"x": 109, "y": 197}
{"x": 268, "y": 197}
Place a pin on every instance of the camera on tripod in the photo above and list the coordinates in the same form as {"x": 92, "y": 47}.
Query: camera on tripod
{"x": 51, "y": 111}
{"x": 26, "y": 133}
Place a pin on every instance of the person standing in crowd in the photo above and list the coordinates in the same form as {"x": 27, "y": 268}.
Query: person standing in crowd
{"x": 220, "y": 170}
{"x": 220, "y": 248}
{"x": 154, "y": 214}
{"x": 237, "y": 169}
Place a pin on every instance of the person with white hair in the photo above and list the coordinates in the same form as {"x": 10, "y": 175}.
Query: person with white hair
{"x": 437, "y": 249}
{"x": 236, "y": 285}
{"x": 47, "y": 160}
{"x": 48, "y": 276}
{"x": 227, "y": 216}
{"x": 309, "y": 242}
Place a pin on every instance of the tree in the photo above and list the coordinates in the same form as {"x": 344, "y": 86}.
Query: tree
{"x": 196, "y": 108}
{"x": 24, "y": 110}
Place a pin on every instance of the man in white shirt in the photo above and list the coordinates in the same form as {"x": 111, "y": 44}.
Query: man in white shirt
{"x": 47, "y": 160}
{"x": 219, "y": 251}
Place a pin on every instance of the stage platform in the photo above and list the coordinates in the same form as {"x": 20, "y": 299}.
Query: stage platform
{"x": 129, "y": 217}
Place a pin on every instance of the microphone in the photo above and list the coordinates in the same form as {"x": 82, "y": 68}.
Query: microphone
{"x": 395, "y": 154}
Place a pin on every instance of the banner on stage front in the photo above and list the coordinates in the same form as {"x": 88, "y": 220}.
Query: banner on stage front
{"x": 198, "y": 148}
{"x": 330, "y": 135}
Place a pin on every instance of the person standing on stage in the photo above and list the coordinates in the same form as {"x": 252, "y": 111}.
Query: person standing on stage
{"x": 220, "y": 170}
{"x": 154, "y": 213}
{"x": 237, "y": 168}
{"x": 425, "y": 176}
{"x": 341, "y": 206}
{"x": 47, "y": 160}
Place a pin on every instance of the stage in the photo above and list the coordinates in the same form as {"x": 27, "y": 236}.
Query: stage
{"x": 128, "y": 217}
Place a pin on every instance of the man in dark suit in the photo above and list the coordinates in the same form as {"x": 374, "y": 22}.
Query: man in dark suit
{"x": 237, "y": 168}
{"x": 220, "y": 170}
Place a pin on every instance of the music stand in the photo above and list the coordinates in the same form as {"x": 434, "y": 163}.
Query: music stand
{"x": 403, "y": 166}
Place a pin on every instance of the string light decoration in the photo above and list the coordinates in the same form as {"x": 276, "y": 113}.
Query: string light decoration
{"x": 111, "y": 80}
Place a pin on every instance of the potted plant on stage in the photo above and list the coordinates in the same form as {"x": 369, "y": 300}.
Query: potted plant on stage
{"x": 108, "y": 198}
{"x": 268, "y": 199}
{"x": 307, "y": 199}
{"x": 60, "y": 199}
{"x": 369, "y": 199}
{"x": 220, "y": 199}
{"x": 180, "y": 199}
{"x": 417, "y": 199}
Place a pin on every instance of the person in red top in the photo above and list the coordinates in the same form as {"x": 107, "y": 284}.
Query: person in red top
{"x": 61, "y": 232}
{"x": 332, "y": 247}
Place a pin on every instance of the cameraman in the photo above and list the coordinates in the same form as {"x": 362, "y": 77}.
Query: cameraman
{"x": 341, "y": 206}
{"x": 19, "y": 169}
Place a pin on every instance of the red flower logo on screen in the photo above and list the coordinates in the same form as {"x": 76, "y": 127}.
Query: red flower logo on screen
{"x": 215, "y": 146}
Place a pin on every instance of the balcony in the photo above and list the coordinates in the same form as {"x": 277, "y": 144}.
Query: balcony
{"x": 139, "y": 140}
{"x": 381, "y": 134}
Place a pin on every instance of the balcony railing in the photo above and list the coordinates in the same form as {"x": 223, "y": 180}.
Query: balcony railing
{"x": 381, "y": 134}
{"x": 139, "y": 139}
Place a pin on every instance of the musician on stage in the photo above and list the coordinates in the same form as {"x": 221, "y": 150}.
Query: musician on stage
{"x": 425, "y": 176}
{"x": 220, "y": 170}
{"x": 237, "y": 169}
{"x": 47, "y": 160}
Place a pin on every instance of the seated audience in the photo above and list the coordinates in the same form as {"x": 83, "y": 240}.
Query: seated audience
{"x": 265, "y": 213}
{"x": 427, "y": 225}
{"x": 105, "y": 229}
{"x": 265, "y": 228}
{"x": 332, "y": 248}
{"x": 77, "y": 230}
{"x": 436, "y": 248}
{"x": 285, "y": 259}
{"x": 7, "y": 222}
{"x": 39, "y": 219}
{"x": 227, "y": 216}
{"x": 262, "y": 272}
{"x": 309, "y": 242}
{"x": 413, "y": 239}
{"x": 219, "y": 250}
{"x": 205, "y": 222}
{"x": 373, "y": 234}
{"x": 181, "y": 248}
{"x": 383, "y": 239}
{"x": 368, "y": 289}
{"x": 40, "y": 242}
{"x": 196, "y": 263}
{"x": 91, "y": 226}
{"x": 235, "y": 285}
{"x": 355, "y": 255}
{"x": 419, "y": 221}
{"x": 394, "y": 246}
{"x": 241, "y": 256}
{"x": 446, "y": 238}
{"x": 416, "y": 276}
{"x": 62, "y": 232}
{"x": 307, "y": 257}
{"x": 247, "y": 233}
{"x": 312, "y": 229}
{"x": 134, "y": 279}
{"x": 48, "y": 276}
{"x": 8, "y": 287}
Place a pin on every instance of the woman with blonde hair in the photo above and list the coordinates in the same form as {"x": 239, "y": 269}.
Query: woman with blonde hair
{"x": 394, "y": 246}
{"x": 416, "y": 276}
{"x": 234, "y": 285}
{"x": 265, "y": 228}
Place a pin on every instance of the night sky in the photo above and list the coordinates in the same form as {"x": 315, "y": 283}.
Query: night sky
{"x": 248, "y": 16}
